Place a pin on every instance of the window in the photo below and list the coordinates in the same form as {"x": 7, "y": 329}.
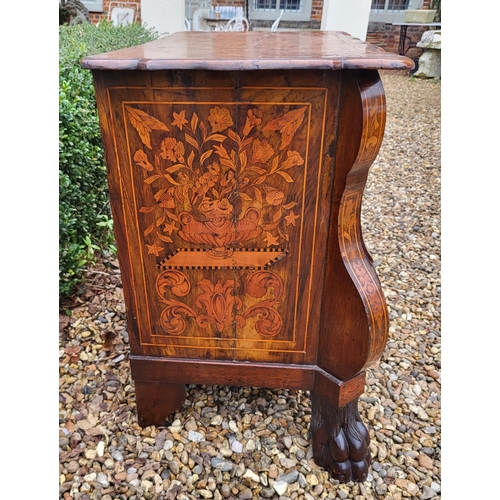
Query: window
{"x": 392, "y": 5}
{"x": 294, "y": 10}
{"x": 93, "y": 5}
{"x": 392, "y": 11}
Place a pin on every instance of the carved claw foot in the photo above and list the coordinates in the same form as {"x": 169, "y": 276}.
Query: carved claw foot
{"x": 340, "y": 440}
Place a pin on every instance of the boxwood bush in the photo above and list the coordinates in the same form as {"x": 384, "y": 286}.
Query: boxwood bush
{"x": 85, "y": 224}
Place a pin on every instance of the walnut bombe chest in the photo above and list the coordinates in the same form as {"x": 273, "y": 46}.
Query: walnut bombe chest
{"x": 236, "y": 165}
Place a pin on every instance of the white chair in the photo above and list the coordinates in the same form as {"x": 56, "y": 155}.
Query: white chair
{"x": 199, "y": 20}
{"x": 187, "y": 24}
{"x": 276, "y": 23}
{"x": 238, "y": 23}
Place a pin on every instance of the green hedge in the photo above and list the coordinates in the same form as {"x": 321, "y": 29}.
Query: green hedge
{"x": 85, "y": 224}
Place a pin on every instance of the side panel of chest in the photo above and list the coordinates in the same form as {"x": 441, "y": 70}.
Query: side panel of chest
{"x": 222, "y": 187}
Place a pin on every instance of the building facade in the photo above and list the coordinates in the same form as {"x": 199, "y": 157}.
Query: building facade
{"x": 298, "y": 14}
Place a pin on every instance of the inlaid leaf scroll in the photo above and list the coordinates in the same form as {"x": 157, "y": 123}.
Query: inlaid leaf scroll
{"x": 287, "y": 125}
{"x": 144, "y": 124}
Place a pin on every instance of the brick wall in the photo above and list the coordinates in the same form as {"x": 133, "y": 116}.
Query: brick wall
{"x": 388, "y": 38}
{"x": 317, "y": 10}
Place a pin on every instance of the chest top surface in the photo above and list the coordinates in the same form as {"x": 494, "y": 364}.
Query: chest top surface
{"x": 253, "y": 50}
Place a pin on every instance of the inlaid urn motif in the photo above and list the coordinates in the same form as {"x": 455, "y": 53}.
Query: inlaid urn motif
{"x": 219, "y": 230}
{"x": 219, "y": 188}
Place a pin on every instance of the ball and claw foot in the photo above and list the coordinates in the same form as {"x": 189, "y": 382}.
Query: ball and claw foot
{"x": 340, "y": 440}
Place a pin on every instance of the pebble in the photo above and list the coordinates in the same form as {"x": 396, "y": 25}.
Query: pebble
{"x": 425, "y": 461}
{"x": 267, "y": 492}
{"x": 100, "y": 448}
{"x": 117, "y": 455}
{"x": 236, "y": 446}
{"x": 436, "y": 487}
{"x": 168, "y": 445}
{"x": 103, "y": 479}
{"x": 227, "y": 441}
{"x": 73, "y": 466}
{"x": 195, "y": 436}
{"x": 280, "y": 487}
{"x": 90, "y": 477}
{"x": 245, "y": 494}
{"x": 225, "y": 491}
{"x": 250, "y": 445}
{"x": 289, "y": 478}
{"x": 191, "y": 425}
{"x": 222, "y": 465}
{"x": 318, "y": 490}
{"x": 250, "y": 474}
{"x": 205, "y": 493}
{"x": 427, "y": 493}
{"x": 109, "y": 463}
{"x": 240, "y": 469}
{"x": 412, "y": 488}
{"x": 287, "y": 463}
{"x": 174, "y": 466}
{"x": 312, "y": 479}
{"x": 217, "y": 420}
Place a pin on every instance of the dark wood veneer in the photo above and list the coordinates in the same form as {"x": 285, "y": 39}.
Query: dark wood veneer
{"x": 237, "y": 164}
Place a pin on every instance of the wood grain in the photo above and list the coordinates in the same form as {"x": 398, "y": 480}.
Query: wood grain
{"x": 355, "y": 313}
{"x": 250, "y": 51}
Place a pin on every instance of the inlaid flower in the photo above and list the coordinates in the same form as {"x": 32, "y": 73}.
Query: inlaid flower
{"x": 165, "y": 198}
{"x": 220, "y": 302}
{"x": 169, "y": 227}
{"x": 220, "y": 119}
{"x": 261, "y": 151}
{"x": 293, "y": 159}
{"x": 254, "y": 117}
{"x": 207, "y": 181}
{"x": 291, "y": 218}
{"x": 270, "y": 239}
{"x": 179, "y": 151}
{"x": 154, "y": 249}
{"x": 180, "y": 119}
{"x": 273, "y": 196}
{"x": 172, "y": 150}
{"x": 228, "y": 183}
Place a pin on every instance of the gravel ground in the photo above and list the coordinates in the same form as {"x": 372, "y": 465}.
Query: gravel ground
{"x": 244, "y": 443}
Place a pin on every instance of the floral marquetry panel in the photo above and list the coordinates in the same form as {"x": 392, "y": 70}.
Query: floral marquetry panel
{"x": 225, "y": 213}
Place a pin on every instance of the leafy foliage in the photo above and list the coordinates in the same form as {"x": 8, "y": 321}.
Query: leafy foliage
{"x": 85, "y": 224}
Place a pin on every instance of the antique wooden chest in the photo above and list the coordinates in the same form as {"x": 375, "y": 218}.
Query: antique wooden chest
{"x": 237, "y": 163}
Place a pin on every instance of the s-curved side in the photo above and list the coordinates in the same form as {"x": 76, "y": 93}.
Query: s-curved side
{"x": 356, "y": 315}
